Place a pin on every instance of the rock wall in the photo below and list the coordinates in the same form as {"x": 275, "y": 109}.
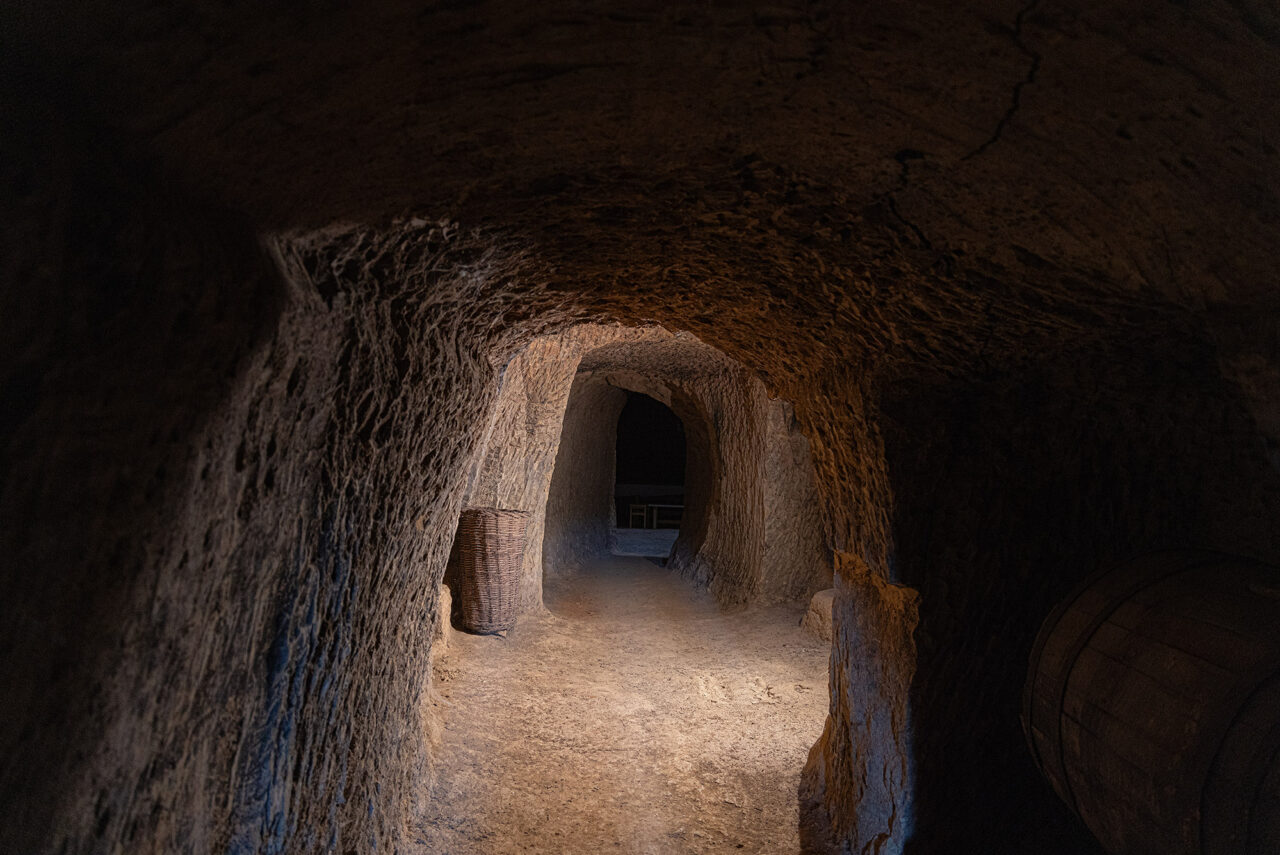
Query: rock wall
{"x": 228, "y": 500}
{"x": 844, "y": 807}
{"x": 139, "y": 580}
{"x": 318, "y": 487}
{"x": 752, "y": 529}
{"x": 1008, "y": 496}
{"x": 524, "y": 433}
{"x": 796, "y": 561}
{"x": 231, "y": 475}
{"x": 728, "y": 559}
{"x": 579, "y": 507}
{"x": 868, "y": 723}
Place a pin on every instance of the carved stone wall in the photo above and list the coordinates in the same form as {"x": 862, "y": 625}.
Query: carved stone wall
{"x": 264, "y": 266}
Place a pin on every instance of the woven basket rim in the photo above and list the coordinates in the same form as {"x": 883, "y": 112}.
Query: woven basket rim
{"x": 509, "y": 511}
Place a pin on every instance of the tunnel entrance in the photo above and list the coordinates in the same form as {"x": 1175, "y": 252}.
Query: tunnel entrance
{"x": 649, "y": 474}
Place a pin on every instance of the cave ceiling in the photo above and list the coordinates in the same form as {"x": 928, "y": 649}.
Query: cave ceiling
{"x": 951, "y": 184}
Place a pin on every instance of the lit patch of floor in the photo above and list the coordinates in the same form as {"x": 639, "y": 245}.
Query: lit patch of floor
{"x": 636, "y": 718}
{"x": 644, "y": 542}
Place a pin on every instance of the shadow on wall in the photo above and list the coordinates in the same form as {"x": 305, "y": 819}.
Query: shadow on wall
{"x": 134, "y": 323}
{"x": 579, "y": 509}
{"x": 1006, "y": 496}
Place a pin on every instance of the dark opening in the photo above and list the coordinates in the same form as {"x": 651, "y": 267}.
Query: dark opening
{"x": 649, "y": 475}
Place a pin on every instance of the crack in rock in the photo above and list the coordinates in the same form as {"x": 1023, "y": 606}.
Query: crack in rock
{"x": 1016, "y": 100}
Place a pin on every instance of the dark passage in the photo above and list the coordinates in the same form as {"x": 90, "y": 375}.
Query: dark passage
{"x": 649, "y": 480}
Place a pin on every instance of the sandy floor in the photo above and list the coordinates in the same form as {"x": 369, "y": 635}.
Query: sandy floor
{"x": 635, "y": 719}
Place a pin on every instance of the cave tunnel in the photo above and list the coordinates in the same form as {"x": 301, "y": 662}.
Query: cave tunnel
{"x": 968, "y": 312}
{"x": 669, "y": 703}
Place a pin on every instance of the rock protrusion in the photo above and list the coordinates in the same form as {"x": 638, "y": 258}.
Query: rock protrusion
{"x": 817, "y": 619}
{"x": 444, "y": 609}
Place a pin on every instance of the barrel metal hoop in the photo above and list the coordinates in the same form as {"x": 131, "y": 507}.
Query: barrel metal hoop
{"x": 1037, "y": 652}
{"x": 1195, "y": 561}
{"x": 1264, "y": 680}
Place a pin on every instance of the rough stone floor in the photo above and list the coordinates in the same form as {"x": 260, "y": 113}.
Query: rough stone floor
{"x": 634, "y": 718}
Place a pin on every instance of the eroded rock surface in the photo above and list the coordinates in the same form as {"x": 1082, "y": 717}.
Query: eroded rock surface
{"x": 264, "y": 266}
{"x": 868, "y": 724}
{"x": 817, "y": 618}
{"x": 524, "y": 433}
{"x": 752, "y": 523}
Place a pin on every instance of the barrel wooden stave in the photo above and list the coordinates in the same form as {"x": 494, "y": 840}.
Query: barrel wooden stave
{"x": 1245, "y": 766}
{"x": 1138, "y": 690}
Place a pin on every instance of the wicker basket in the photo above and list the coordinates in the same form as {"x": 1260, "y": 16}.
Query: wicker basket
{"x": 490, "y": 550}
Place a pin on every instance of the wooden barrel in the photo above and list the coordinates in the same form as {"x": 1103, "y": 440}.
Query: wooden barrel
{"x": 1152, "y": 705}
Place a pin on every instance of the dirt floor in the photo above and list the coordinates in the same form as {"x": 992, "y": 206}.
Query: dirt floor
{"x": 636, "y": 718}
